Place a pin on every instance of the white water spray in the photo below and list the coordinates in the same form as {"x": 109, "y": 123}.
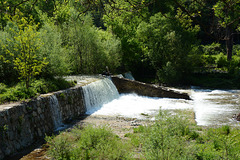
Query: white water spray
{"x": 98, "y": 93}
{"x": 56, "y": 114}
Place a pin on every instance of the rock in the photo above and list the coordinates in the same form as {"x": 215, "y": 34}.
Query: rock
{"x": 237, "y": 116}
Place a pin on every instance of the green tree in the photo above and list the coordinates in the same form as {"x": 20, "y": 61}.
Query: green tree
{"x": 122, "y": 19}
{"x": 26, "y": 44}
{"x": 227, "y": 13}
{"x": 52, "y": 48}
{"x": 218, "y": 19}
{"x": 168, "y": 45}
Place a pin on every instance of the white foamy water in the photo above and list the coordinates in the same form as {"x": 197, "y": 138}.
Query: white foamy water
{"x": 211, "y": 107}
{"x": 134, "y": 106}
{"x": 215, "y": 107}
{"x": 98, "y": 93}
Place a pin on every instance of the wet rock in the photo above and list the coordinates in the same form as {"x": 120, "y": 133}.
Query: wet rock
{"x": 237, "y": 116}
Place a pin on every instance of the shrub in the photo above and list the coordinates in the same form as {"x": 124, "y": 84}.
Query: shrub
{"x": 165, "y": 139}
{"x": 168, "y": 74}
{"x": 221, "y": 61}
{"x": 212, "y": 49}
{"x": 3, "y": 88}
{"x": 88, "y": 143}
{"x": 20, "y": 92}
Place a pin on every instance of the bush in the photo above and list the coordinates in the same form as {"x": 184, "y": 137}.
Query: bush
{"x": 88, "y": 143}
{"x": 169, "y": 74}
{"x": 169, "y": 137}
{"x": 222, "y": 61}
{"x": 166, "y": 139}
{"x": 3, "y": 88}
{"x": 20, "y": 92}
{"x": 236, "y": 50}
{"x": 212, "y": 49}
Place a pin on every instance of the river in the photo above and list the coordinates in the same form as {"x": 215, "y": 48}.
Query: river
{"x": 211, "y": 107}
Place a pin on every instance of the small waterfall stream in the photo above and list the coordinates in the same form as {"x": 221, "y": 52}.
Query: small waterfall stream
{"x": 98, "y": 93}
{"x": 56, "y": 113}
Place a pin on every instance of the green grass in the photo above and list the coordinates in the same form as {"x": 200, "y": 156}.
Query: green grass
{"x": 170, "y": 137}
{"x": 88, "y": 143}
{"x": 19, "y": 91}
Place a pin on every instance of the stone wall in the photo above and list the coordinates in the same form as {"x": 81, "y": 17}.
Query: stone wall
{"x": 130, "y": 86}
{"x": 22, "y": 124}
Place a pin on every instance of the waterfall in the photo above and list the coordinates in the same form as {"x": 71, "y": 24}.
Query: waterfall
{"x": 98, "y": 93}
{"x": 56, "y": 113}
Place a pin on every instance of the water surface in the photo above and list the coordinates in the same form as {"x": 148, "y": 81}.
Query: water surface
{"x": 211, "y": 107}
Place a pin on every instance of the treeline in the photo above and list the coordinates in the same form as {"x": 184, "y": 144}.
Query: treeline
{"x": 171, "y": 41}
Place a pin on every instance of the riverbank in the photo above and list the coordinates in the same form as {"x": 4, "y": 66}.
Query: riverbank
{"x": 169, "y": 135}
{"x": 119, "y": 125}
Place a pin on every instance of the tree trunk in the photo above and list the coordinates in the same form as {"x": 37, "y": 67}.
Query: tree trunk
{"x": 229, "y": 42}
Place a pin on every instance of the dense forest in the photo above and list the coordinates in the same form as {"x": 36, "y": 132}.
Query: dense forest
{"x": 174, "y": 42}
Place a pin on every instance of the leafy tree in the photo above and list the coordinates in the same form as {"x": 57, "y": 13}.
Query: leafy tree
{"x": 52, "y": 48}
{"x": 122, "y": 19}
{"x": 228, "y": 16}
{"x": 26, "y": 44}
{"x": 218, "y": 19}
{"x": 168, "y": 45}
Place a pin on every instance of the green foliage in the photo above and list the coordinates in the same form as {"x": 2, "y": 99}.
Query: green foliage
{"x": 222, "y": 61}
{"x": 20, "y": 92}
{"x": 166, "y": 139}
{"x": 212, "y": 49}
{"x": 124, "y": 26}
{"x": 88, "y": 143}
{"x": 169, "y": 137}
{"x": 26, "y": 44}
{"x": 7, "y": 73}
{"x": 52, "y": 49}
{"x": 3, "y": 88}
{"x": 90, "y": 49}
{"x": 168, "y": 45}
{"x": 168, "y": 74}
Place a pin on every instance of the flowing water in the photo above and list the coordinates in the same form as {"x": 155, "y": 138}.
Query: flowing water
{"x": 56, "y": 113}
{"x": 216, "y": 107}
{"x": 211, "y": 107}
{"x": 98, "y": 93}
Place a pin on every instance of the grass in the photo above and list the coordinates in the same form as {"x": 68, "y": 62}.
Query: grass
{"x": 88, "y": 143}
{"x": 169, "y": 137}
{"x": 19, "y": 92}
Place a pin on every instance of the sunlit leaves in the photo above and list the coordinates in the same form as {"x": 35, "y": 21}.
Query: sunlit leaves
{"x": 26, "y": 44}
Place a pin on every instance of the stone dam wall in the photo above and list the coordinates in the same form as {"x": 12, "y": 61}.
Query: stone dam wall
{"x": 22, "y": 124}
{"x": 131, "y": 86}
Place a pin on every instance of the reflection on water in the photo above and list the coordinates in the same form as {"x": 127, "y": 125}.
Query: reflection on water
{"x": 211, "y": 107}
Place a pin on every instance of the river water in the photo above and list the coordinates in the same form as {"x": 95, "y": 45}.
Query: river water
{"x": 211, "y": 107}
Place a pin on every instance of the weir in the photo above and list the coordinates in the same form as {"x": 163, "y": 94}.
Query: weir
{"x": 22, "y": 124}
{"x": 98, "y": 93}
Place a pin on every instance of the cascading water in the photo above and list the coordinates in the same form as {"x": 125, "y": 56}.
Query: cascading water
{"x": 98, "y": 93}
{"x": 56, "y": 114}
{"x": 211, "y": 107}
